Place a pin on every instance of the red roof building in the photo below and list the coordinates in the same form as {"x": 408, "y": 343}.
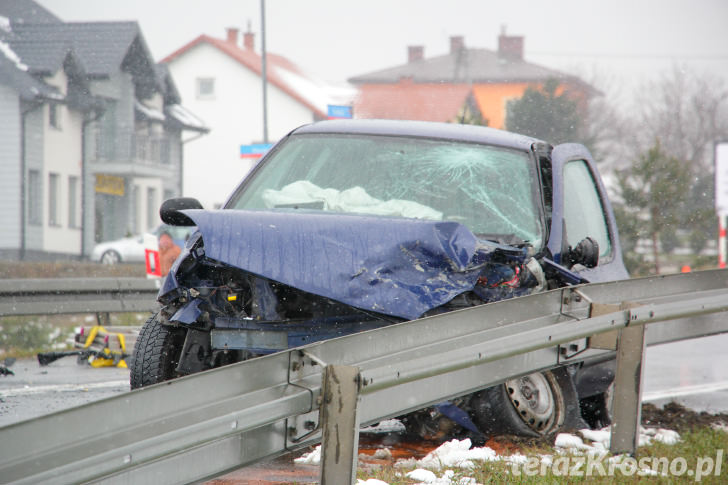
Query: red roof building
{"x": 465, "y": 83}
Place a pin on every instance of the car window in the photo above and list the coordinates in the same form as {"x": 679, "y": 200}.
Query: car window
{"x": 583, "y": 208}
{"x": 491, "y": 190}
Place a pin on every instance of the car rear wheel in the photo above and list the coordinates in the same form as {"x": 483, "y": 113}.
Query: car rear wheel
{"x": 110, "y": 257}
{"x": 531, "y": 405}
{"x": 156, "y": 353}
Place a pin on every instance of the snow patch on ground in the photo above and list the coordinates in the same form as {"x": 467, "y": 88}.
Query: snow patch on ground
{"x": 312, "y": 458}
{"x": 429, "y": 478}
{"x": 458, "y": 454}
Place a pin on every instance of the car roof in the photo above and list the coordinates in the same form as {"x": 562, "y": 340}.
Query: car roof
{"x": 425, "y": 129}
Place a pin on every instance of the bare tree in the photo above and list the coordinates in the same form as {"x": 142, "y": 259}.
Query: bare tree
{"x": 687, "y": 112}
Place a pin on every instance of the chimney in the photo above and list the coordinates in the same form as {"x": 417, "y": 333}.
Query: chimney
{"x": 232, "y": 35}
{"x": 249, "y": 40}
{"x": 510, "y": 47}
{"x": 415, "y": 53}
{"x": 457, "y": 43}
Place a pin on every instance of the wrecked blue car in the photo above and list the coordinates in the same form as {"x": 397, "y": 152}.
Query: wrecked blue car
{"x": 346, "y": 226}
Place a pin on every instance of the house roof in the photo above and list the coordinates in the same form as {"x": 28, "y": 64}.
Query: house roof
{"x": 281, "y": 72}
{"x": 101, "y": 46}
{"x": 165, "y": 80}
{"x": 85, "y": 50}
{"x": 41, "y": 39}
{"x": 15, "y": 74}
{"x": 184, "y": 118}
{"x": 464, "y": 66}
{"x": 409, "y": 101}
{"x": 26, "y": 11}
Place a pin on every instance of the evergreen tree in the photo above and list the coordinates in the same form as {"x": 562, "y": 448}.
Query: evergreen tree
{"x": 543, "y": 114}
{"x": 654, "y": 193}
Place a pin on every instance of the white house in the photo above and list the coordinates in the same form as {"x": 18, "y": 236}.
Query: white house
{"x": 92, "y": 133}
{"x": 42, "y": 108}
{"x": 220, "y": 80}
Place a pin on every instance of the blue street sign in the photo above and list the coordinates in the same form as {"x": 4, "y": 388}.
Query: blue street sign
{"x": 339, "y": 112}
{"x": 255, "y": 150}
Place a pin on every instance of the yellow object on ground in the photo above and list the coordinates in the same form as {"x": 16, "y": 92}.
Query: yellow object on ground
{"x": 105, "y": 357}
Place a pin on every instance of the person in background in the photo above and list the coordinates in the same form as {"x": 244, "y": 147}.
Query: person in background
{"x": 168, "y": 252}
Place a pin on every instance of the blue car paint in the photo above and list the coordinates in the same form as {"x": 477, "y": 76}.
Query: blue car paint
{"x": 393, "y": 266}
{"x": 457, "y": 415}
{"x": 189, "y": 313}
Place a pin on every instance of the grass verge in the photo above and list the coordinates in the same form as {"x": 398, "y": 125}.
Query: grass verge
{"x": 699, "y": 457}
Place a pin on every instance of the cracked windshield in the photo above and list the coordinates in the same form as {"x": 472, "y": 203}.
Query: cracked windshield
{"x": 388, "y": 176}
{"x": 381, "y": 243}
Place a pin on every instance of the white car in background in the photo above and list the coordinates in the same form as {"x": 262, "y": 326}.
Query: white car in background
{"x": 131, "y": 249}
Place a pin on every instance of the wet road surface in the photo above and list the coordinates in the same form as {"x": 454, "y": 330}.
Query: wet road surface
{"x": 693, "y": 373}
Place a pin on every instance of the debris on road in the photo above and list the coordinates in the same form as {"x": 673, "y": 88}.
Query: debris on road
{"x": 100, "y": 348}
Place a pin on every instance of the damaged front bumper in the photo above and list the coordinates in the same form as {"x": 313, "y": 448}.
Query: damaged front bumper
{"x": 257, "y": 281}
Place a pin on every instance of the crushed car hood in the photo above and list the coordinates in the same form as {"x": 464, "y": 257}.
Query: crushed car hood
{"x": 395, "y": 266}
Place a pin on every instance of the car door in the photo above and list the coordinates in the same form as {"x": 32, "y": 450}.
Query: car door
{"x": 581, "y": 208}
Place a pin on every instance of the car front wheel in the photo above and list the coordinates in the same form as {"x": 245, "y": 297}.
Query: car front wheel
{"x": 156, "y": 353}
{"x": 110, "y": 257}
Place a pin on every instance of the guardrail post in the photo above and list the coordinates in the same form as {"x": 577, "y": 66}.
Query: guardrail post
{"x": 103, "y": 319}
{"x": 340, "y": 425}
{"x": 627, "y": 398}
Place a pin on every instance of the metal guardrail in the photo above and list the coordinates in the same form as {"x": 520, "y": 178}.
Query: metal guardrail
{"x": 77, "y": 295}
{"x": 203, "y": 425}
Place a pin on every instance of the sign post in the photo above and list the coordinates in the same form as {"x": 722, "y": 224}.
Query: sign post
{"x": 721, "y": 198}
{"x": 151, "y": 256}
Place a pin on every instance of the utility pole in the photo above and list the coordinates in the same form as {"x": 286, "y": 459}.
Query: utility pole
{"x": 263, "y": 71}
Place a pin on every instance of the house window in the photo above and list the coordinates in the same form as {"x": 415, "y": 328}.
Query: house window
{"x": 54, "y": 116}
{"x": 151, "y": 207}
{"x": 53, "y": 199}
{"x": 34, "y": 197}
{"x": 73, "y": 202}
{"x": 205, "y": 87}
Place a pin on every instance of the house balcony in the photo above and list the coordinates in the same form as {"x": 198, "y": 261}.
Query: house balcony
{"x": 132, "y": 154}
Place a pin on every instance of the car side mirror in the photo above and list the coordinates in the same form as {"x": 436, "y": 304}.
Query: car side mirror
{"x": 585, "y": 253}
{"x": 170, "y": 209}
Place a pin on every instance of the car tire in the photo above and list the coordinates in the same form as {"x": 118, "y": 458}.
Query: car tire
{"x": 110, "y": 257}
{"x": 533, "y": 405}
{"x": 597, "y": 409}
{"x": 156, "y": 353}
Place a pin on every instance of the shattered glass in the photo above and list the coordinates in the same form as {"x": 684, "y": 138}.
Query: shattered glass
{"x": 491, "y": 190}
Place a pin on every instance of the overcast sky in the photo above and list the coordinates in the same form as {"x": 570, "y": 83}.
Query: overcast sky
{"x": 624, "y": 41}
